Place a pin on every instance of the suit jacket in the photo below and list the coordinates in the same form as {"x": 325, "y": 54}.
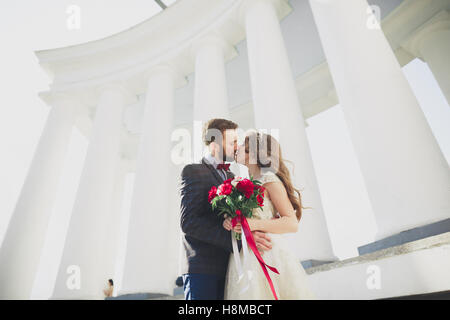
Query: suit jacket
{"x": 207, "y": 245}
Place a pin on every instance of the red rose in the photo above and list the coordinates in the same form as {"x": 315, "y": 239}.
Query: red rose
{"x": 225, "y": 189}
{"x": 260, "y": 189}
{"x": 228, "y": 181}
{"x": 260, "y": 200}
{"x": 212, "y": 193}
{"x": 246, "y": 186}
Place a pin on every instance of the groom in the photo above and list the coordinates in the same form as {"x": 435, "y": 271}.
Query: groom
{"x": 207, "y": 244}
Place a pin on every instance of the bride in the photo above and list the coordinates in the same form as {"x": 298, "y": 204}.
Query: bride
{"x": 261, "y": 154}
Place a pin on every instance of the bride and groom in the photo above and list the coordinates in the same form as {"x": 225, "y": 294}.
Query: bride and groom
{"x": 209, "y": 268}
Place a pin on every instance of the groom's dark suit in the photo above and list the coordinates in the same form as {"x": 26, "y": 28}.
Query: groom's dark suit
{"x": 206, "y": 243}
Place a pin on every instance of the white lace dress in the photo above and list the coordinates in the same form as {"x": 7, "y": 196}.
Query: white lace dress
{"x": 292, "y": 281}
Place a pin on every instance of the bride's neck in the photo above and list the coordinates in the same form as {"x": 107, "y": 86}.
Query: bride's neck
{"x": 254, "y": 171}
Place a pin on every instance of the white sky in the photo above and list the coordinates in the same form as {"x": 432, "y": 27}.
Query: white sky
{"x": 27, "y": 26}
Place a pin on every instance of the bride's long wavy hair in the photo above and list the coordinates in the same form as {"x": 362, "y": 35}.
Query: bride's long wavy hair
{"x": 269, "y": 158}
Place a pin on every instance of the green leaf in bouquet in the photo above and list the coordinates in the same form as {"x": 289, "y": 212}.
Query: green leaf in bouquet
{"x": 215, "y": 200}
{"x": 229, "y": 202}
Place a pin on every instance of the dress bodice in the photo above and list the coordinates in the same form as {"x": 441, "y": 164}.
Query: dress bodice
{"x": 267, "y": 211}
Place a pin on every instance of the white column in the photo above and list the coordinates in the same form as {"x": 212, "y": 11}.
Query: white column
{"x": 406, "y": 175}
{"x": 431, "y": 42}
{"x": 210, "y": 92}
{"x": 22, "y": 245}
{"x": 276, "y": 106}
{"x": 174, "y": 233}
{"x": 85, "y": 249}
{"x": 113, "y": 227}
{"x": 148, "y": 264}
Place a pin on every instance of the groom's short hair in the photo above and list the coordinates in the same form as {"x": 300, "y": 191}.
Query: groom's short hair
{"x": 215, "y": 125}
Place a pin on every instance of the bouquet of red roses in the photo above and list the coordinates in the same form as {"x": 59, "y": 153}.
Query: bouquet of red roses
{"x": 237, "y": 197}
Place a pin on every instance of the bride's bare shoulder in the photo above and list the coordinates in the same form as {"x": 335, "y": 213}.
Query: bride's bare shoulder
{"x": 266, "y": 180}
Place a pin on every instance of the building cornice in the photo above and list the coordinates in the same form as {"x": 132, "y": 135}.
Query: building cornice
{"x": 165, "y": 38}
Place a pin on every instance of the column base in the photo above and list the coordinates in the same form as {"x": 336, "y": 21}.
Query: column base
{"x": 149, "y": 296}
{"x": 421, "y": 232}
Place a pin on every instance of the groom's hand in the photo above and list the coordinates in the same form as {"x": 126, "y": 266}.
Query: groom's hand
{"x": 263, "y": 241}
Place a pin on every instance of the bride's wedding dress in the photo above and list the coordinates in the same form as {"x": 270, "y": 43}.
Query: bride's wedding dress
{"x": 290, "y": 284}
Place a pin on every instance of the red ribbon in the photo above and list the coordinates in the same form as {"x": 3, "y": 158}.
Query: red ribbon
{"x": 251, "y": 241}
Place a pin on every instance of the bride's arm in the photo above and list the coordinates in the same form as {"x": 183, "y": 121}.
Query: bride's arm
{"x": 288, "y": 222}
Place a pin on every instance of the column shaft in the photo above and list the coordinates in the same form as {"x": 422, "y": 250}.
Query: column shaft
{"x": 148, "y": 263}
{"x": 85, "y": 249}
{"x": 276, "y": 106}
{"x": 210, "y": 92}
{"x": 113, "y": 228}
{"x": 436, "y": 52}
{"x": 23, "y": 243}
{"x": 406, "y": 175}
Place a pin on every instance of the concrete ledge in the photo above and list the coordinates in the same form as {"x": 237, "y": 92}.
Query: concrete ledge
{"x": 442, "y": 295}
{"x": 413, "y": 268}
{"x": 407, "y": 236}
{"x": 314, "y": 263}
{"x": 386, "y": 253}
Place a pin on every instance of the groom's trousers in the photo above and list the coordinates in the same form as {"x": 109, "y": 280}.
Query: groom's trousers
{"x": 200, "y": 286}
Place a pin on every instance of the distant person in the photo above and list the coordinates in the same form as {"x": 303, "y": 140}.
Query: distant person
{"x": 109, "y": 290}
{"x": 179, "y": 281}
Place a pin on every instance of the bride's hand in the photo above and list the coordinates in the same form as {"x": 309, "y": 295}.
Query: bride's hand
{"x": 229, "y": 226}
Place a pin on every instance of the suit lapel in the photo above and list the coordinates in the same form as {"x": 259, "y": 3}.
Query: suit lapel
{"x": 213, "y": 171}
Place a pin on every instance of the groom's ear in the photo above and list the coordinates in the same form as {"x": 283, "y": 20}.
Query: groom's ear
{"x": 213, "y": 135}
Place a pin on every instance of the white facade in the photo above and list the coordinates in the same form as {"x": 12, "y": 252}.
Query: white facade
{"x": 266, "y": 64}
